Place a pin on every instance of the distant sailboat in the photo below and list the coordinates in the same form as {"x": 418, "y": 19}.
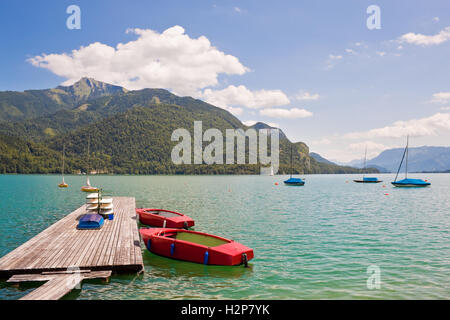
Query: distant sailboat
{"x": 63, "y": 184}
{"x": 88, "y": 187}
{"x": 366, "y": 179}
{"x": 408, "y": 182}
{"x": 294, "y": 181}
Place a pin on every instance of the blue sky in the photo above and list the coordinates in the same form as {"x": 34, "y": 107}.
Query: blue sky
{"x": 311, "y": 67}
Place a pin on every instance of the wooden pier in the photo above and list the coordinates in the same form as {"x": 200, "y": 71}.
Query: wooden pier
{"x": 63, "y": 256}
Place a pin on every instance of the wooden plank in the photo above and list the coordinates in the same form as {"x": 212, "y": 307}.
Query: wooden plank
{"x": 107, "y": 250}
{"x": 55, "y": 289}
{"x": 85, "y": 274}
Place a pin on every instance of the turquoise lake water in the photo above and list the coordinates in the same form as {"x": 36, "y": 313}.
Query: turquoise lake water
{"x": 310, "y": 242}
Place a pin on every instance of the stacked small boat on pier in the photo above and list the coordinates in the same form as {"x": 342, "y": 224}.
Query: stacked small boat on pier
{"x": 98, "y": 208}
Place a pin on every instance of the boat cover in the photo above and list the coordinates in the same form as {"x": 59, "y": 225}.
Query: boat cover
{"x": 294, "y": 181}
{"x": 370, "y": 179}
{"x": 91, "y": 221}
{"x": 418, "y": 182}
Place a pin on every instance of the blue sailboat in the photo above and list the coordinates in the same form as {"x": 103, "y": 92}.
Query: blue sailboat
{"x": 408, "y": 182}
{"x": 367, "y": 179}
{"x": 294, "y": 181}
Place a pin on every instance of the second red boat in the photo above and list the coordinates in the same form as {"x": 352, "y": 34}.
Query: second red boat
{"x": 164, "y": 218}
{"x": 195, "y": 246}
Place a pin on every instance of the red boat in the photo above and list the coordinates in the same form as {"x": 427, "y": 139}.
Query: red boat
{"x": 195, "y": 246}
{"x": 159, "y": 217}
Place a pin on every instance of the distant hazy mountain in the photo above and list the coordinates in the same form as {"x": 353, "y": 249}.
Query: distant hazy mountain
{"x": 420, "y": 159}
{"x": 319, "y": 158}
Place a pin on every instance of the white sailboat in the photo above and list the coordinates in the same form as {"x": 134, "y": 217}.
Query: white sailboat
{"x": 63, "y": 184}
{"x": 88, "y": 187}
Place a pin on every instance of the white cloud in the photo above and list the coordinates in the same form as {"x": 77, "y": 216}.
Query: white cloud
{"x": 234, "y": 110}
{"x": 304, "y": 95}
{"x": 293, "y": 113}
{"x": 249, "y": 123}
{"x": 323, "y": 141}
{"x": 435, "y": 19}
{"x": 429, "y": 126}
{"x": 441, "y": 97}
{"x": 350, "y": 51}
{"x": 331, "y": 60}
{"x": 237, "y": 9}
{"x": 333, "y": 57}
{"x": 446, "y": 108}
{"x": 380, "y": 53}
{"x": 241, "y": 96}
{"x": 170, "y": 60}
{"x": 424, "y": 40}
{"x": 373, "y": 148}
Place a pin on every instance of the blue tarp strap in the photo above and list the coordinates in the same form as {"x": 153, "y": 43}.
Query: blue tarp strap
{"x": 205, "y": 259}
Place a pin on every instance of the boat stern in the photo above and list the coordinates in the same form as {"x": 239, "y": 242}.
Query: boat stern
{"x": 230, "y": 254}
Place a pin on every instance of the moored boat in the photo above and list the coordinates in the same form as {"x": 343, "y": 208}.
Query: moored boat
{"x": 164, "y": 218}
{"x": 411, "y": 183}
{"x": 88, "y": 188}
{"x": 63, "y": 184}
{"x": 366, "y": 179}
{"x": 195, "y": 246}
{"x": 408, "y": 183}
{"x": 293, "y": 181}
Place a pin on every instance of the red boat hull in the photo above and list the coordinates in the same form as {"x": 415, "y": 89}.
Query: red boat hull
{"x": 161, "y": 241}
{"x": 156, "y": 218}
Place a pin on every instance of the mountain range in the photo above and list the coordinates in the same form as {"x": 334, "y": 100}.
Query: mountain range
{"x": 420, "y": 159}
{"x": 129, "y": 132}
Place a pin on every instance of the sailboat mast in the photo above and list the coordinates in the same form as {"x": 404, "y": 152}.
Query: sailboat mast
{"x": 64, "y": 151}
{"x": 88, "y": 155}
{"x": 291, "y": 161}
{"x": 401, "y": 162}
{"x": 406, "y": 166}
{"x": 364, "y": 167}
